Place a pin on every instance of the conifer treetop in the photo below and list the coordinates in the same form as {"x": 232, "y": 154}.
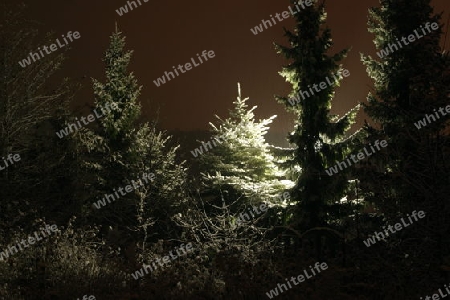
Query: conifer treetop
{"x": 120, "y": 88}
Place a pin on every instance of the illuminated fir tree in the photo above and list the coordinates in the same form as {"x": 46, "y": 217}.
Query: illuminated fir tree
{"x": 239, "y": 162}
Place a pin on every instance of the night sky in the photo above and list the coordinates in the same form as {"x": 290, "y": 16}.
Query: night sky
{"x": 166, "y": 34}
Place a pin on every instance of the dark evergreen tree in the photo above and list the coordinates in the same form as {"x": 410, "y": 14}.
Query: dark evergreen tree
{"x": 407, "y": 92}
{"x": 318, "y": 138}
{"x": 411, "y": 84}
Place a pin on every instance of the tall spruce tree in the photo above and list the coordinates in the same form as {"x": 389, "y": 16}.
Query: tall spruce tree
{"x": 411, "y": 84}
{"x": 116, "y": 133}
{"x": 122, "y": 151}
{"x": 318, "y": 137}
{"x": 405, "y": 90}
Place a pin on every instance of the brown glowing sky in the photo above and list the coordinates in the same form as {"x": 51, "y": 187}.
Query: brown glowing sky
{"x": 166, "y": 34}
